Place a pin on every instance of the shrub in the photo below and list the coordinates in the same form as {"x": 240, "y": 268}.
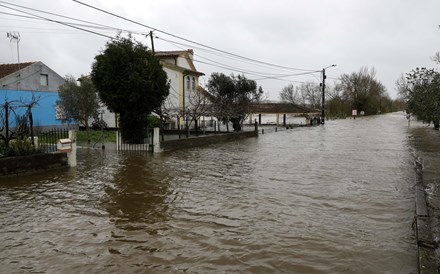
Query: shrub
{"x": 18, "y": 147}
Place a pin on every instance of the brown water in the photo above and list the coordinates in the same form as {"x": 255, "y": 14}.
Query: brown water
{"x": 331, "y": 199}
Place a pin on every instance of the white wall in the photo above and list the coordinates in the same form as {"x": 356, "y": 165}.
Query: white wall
{"x": 172, "y": 101}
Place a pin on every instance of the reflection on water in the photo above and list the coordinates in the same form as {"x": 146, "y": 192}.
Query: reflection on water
{"x": 138, "y": 193}
{"x": 331, "y": 199}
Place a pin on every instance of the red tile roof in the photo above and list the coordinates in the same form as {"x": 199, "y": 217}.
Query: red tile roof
{"x": 6, "y": 69}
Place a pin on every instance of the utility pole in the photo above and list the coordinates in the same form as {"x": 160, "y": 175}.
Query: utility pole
{"x": 15, "y": 36}
{"x": 323, "y": 97}
{"x": 323, "y": 94}
{"x": 152, "y": 41}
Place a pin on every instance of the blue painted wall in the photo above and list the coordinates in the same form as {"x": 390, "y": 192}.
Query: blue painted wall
{"x": 44, "y": 113}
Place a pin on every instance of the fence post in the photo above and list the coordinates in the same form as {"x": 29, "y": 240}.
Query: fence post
{"x": 156, "y": 141}
{"x": 118, "y": 147}
{"x": 71, "y": 156}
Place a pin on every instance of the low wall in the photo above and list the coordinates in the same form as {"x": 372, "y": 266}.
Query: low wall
{"x": 205, "y": 140}
{"x": 32, "y": 163}
{"x": 426, "y": 247}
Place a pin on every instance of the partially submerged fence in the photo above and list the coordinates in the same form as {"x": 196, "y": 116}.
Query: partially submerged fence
{"x": 155, "y": 142}
{"x": 141, "y": 144}
{"x": 47, "y": 140}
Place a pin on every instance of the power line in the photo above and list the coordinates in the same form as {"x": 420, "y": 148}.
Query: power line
{"x": 58, "y": 22}
{"x": 105, "y": 27}
{"x": 222, "y": 65}
{"x": 260, "y": 74}
{"x": 88, "y": 24}
{"x": 54, "y": 14}
{"x": 187, "y": 40}
{"x": 272, "y": 76}
{"x": 175, "y": 43}
{"x": 216, "y": 51}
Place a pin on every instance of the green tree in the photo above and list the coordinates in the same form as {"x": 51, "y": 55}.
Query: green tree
{"x": 130, "y": 81}
{"x": 78, "y": 102}
{"x": 232, "y": 96}
{"x": 362, "y": 90}
{"x": 421, "y": 90}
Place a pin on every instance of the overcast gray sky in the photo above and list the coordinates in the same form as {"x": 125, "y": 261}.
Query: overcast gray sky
{"x": 393, "y": 36}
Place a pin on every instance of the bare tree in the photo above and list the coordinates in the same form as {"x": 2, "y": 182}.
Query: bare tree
{"x": 23, "y": 123}
{"x": 290, "y": 95}
{"x": 436, "y": 57}
{"x": 199, "y": 102}
{"x": 307, "y": 94}
{"x": 311, "y": 92}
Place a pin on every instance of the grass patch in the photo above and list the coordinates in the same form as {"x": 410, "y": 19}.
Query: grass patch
{"x": 97, "y": 136}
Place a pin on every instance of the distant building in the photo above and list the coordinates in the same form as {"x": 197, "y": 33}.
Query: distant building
{"x": 24, "y": 81}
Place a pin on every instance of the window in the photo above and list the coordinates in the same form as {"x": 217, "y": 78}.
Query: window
{"x": 188, "y": 83}
{"x": 194, "y": 84}
{"x": 44, "y": 79}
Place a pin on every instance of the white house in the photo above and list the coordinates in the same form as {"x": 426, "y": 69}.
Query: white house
{"x": 184, "y": 84}
{"x": 184, "y": 87}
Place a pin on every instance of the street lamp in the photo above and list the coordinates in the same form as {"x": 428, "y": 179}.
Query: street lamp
{"x": 323, "y": 93}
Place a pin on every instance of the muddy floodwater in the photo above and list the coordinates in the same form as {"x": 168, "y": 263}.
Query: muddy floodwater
{"x": 337, "y": 198}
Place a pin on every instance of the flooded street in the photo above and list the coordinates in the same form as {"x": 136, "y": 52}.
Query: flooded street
{"x": 337, "y": 198}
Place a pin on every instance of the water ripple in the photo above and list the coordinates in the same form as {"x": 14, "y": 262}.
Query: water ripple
{"x": 332, "y": 199}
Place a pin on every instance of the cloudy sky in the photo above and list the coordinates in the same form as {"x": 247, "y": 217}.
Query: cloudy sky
{"x": 289, "y": 38}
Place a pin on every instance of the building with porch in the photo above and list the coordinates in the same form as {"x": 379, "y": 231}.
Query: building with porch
{"x": 269, "y": 113}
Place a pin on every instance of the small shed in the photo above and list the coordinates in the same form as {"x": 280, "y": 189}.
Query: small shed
{"x": 279, "y": 109}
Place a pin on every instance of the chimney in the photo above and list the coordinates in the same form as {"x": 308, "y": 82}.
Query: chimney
{"x": 191, "y": 53}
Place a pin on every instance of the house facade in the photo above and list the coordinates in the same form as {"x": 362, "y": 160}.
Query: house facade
{"x": 23, "y": 82}
{"x": 34, "y": 76}
{"x": 184, "y": 94}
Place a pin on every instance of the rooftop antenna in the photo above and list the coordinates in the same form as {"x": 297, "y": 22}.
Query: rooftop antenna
{"x": 15, "y": 36}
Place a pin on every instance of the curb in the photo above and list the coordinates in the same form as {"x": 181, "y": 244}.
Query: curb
{"x": 425, "y": 246}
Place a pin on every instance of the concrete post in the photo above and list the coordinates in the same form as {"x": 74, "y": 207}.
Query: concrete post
{"x": 156, "y": 140}
{"x": 117, "y": 140}
{"x": 71, "y": 156}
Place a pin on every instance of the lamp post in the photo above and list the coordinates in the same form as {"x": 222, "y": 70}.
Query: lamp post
{"x": 323, "y": 93}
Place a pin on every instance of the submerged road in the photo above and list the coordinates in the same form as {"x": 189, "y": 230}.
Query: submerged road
{"x": 337, "y": 198}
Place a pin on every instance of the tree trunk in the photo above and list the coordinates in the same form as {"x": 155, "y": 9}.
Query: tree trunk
{"x": 236, "y": 123}
{"x": 132, "y": 128}
{"x": 436, "y": 124}
{"x": 86, "y": 124}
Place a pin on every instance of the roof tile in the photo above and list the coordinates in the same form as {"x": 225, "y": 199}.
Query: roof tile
{"x": 7, "y": 69}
